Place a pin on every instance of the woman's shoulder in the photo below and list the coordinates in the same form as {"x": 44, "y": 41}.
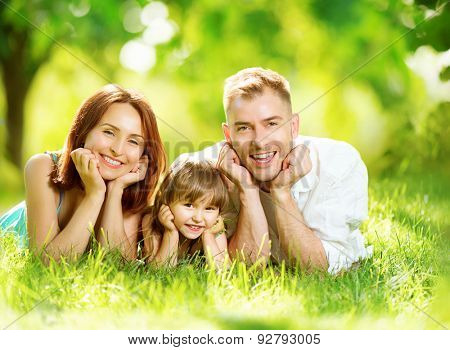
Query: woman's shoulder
{"x": 39, "y": 164}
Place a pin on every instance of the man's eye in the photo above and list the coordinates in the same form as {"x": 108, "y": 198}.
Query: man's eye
{"x": 108, "y": 132}
{"x": 242, "y": 128}
{"x": 273, "y": 123}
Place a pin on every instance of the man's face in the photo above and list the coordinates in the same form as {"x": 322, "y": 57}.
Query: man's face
{"x": 261, "y": 131}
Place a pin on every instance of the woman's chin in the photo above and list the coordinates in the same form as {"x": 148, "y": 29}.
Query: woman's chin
{"x": 111, "y": 174}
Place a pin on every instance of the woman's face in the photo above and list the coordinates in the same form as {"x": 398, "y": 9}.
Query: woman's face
{"x": 117, "y": 141}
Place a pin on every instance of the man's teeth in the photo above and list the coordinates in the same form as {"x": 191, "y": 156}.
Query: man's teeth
{"x": 263, "y": 156}
{"x": 111, "y": 161}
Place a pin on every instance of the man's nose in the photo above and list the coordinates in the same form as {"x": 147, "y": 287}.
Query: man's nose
{"x": 259, "y": 136}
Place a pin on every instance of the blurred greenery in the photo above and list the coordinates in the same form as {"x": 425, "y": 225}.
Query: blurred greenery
{"x": 395, "y": 109}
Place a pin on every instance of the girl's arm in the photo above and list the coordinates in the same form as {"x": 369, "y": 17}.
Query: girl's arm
{"x": 118, "y": 230}
{"x": 43, "y": 229}
{"x": 214, "y": 243}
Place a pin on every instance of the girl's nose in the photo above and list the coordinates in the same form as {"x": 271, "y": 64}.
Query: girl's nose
{"x": 198, "y": 216}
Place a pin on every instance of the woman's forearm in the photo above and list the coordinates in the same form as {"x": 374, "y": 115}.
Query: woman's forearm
{"x": 74, "y": 238}
{"x": 112, "y": 232}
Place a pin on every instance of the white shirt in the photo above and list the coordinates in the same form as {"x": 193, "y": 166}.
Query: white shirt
{"x": 332, "y": 197}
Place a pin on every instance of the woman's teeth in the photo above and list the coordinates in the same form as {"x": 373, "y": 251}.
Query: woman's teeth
{"x": 111, "y": 161}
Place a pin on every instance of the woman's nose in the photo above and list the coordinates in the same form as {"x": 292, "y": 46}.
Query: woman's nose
{"x": 117, "y": 147}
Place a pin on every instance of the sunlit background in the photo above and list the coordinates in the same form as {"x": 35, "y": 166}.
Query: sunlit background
{"x": 391, "y": 100}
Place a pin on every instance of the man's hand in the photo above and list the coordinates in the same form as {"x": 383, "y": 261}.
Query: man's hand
{"x": 230, "y": 165}
{"x": 87, "y": 166}
{"x": 296, "y": 165}
{"x": 137, "y": 174}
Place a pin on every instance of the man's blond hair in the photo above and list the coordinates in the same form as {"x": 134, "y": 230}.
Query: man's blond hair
{"x": 251, "y": 82}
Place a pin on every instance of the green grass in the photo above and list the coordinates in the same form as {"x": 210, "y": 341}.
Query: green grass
{"x": 404, "y": 286}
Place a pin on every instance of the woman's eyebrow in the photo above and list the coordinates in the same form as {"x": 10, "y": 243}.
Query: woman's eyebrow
{"x": 118, "y": 129}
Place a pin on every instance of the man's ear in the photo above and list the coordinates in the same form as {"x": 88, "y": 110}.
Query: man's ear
{"x": 295, "y": 122}
{"x": 226, "y": 132}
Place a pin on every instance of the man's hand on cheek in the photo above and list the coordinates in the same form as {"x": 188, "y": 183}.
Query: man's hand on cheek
{"x": 230, "y": 165}
{"x": 296, "y": 165}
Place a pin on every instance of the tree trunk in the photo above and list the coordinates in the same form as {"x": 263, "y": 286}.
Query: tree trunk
{"x": 16, "y": 82}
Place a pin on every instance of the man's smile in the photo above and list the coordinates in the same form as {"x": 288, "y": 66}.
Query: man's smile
{"x": 263, "y": 159}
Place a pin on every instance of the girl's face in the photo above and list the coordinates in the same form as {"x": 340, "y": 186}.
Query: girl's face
{"x": 117, "y": 141}
{"x": 192, "y": 219}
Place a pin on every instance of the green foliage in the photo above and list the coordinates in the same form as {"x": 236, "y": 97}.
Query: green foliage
{"x": 408, "y": 272}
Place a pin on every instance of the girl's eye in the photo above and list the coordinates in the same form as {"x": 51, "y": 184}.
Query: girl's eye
{"x": 108, "y": 132}
{"x": 188, "y": 205}
{"x": 211, "y": 208}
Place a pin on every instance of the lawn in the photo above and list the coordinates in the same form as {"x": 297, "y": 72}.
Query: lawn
{"x": 405, "y": 285}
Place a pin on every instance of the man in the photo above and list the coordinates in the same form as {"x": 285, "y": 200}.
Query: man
{"x": 298, "y": 199}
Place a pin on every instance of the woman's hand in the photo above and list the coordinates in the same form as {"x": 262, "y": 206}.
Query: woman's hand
{"x": 87, "y": 166}
{"x": 137, "y": 174}
{"x": 166, "y": 218}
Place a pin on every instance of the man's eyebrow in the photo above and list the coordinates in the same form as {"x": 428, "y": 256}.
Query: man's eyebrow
{"x": 241, "y": 123}
{"x": 116, "y": 128}
{"x": 274, "y": 117}
{"x": 268, "y": 119}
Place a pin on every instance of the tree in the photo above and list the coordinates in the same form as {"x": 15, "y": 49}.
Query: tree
{"x": 30, "y": 30}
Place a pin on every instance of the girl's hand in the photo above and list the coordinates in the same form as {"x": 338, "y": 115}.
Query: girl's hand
{"x": 137, "y": 174}
{"x": 87, "y": 166}
{"x": 218, "y": 227}
{"x": 166, "y": 218}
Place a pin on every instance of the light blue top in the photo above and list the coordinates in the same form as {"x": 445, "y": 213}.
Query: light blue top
{"x": 15, "y": 220}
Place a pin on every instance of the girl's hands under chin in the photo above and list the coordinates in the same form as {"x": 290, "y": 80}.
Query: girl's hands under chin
{"x": 87, "y": 166}
{"x": 166, "y": 218}
{"x": 217, "y": 228}
{"x": 137, "y": 174}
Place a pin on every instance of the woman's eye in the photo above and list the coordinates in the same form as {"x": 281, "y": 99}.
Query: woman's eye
{"x": 134, "y": 142}
{"x": 108, "y": 132}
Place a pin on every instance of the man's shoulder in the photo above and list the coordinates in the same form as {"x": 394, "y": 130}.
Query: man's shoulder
{"x": 209, "y": 153}
{"x": 335, "y": 157}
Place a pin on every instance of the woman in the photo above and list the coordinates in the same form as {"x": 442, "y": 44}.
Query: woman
{"x": 101, "y": 180}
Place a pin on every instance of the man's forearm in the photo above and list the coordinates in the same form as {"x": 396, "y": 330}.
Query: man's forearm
{"x": 297, "y": 240}
{"x": 252, "y": 234}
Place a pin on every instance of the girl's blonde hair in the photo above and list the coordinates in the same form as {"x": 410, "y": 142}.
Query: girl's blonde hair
{"x": 188, "y": 182}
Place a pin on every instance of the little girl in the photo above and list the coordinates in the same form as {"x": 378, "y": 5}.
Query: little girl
{"x": 186, "y": 216}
